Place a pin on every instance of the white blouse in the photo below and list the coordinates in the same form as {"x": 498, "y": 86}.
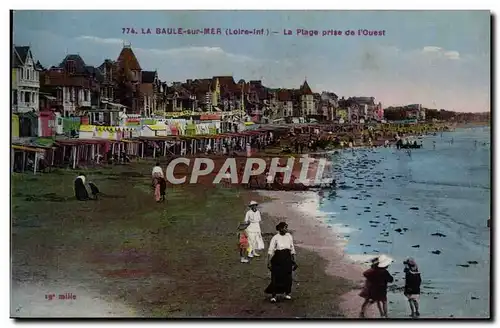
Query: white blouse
{"x": 280, "y": 242}
{"x": 254, "y": 219}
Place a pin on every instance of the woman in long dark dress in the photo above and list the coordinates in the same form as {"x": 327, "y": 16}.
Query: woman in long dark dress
{"x": 163, "y": 188}
{"x": 81, "y": 192}
{"x": 281, "y": 262}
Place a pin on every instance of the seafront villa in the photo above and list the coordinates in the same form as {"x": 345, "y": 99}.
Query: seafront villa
{"x": 78, "y": 114}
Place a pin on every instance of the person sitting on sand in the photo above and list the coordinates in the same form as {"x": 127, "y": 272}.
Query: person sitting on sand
{"x": 253, "y": 219}
{"x": 243, "y": 244}
{"x": 378, "y": 278}
{"x": 281, "y": 262}
{"x": 413, "y": 281}
{"x": 81, "y": 192}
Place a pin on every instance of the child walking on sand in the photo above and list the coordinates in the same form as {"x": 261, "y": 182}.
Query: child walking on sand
{"x": 412, "y": 285}
{"x": 243, "y": 244}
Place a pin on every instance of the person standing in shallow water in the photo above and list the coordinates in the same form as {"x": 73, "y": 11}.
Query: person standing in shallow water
{"x": 377, "y": 278}
{"x": 281, "y": 262}
{"x": 413, "y": 281}
{"x": 253, "y": 219}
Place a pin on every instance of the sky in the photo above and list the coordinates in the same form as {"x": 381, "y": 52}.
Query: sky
{"x": 440, "y": 59}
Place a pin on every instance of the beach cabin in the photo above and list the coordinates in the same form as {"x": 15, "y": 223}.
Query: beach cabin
{"x": 46, "y": 123}
{"x": 156, "y": 130}
{"x": 15, "y": 126}
{"x": 109, "y": 132}
{"x": 87, "y": 132}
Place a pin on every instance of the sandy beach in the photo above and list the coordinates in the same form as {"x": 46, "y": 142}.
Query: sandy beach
{"x": 299, "y": 209}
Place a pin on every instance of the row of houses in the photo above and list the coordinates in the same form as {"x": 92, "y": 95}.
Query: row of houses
{"x": 43, "y": 96}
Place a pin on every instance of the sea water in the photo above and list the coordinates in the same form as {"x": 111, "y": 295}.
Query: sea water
{"x": 447, "y": 183}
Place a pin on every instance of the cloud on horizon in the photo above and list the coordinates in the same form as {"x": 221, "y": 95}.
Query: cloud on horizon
{"x": 392, "y": 75}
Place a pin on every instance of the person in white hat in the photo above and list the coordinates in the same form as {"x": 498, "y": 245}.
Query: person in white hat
{"x": 377, "y": 280}
{"x": 253, "y": 231}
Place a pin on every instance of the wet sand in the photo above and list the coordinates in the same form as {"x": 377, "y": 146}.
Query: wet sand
{"x": 298, "y": 209}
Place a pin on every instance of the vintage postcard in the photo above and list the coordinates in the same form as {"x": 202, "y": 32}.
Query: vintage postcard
{"x": 251, "y": 164}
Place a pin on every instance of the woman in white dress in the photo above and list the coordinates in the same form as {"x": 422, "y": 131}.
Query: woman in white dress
{"x": 253, "y": 231}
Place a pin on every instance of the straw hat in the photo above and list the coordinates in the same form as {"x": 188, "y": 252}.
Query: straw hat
{"x": 253, "y": 203}
{"x": 243, "y": 225}
{"x": 384, "y": 261}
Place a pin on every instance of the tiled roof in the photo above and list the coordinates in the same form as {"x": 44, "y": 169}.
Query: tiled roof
{"x": 201, "y": 85}
{"x": 128, "y": 57}
{"x": 305, "y": 89}
{"x": 58, "y": 78}
{"x": 363, "y": 100}
{"x": 106, "y": 62}
{"x": 148, "y": 76}
{"x": 80, "y": 67}
{"x": 95, "y": 72}
{"x": 20, "y": 54}
{"x": 23, "y": 52}
{"x": 284, "y": 95}
{"x": 39, "y": 66}
{"x": 227, "y": 84}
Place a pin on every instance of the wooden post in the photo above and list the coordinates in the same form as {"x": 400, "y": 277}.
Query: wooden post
{"x": 154, "y": 151}
{"x": 78, "y": 151}
{"x": 164, "y": 148}
{"x": 36, "y": 163}
{"x": 12, "y": 159}
{"x": 73, "y": 152}
{"x": 53, "y": 155}
{"x": 142, "y": 144}
{"x": 113, "y": 149}
{"x": 92, "y": 151}
{"x": 24, "y": 159}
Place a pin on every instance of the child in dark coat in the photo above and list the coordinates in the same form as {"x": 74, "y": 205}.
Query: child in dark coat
{"x": 413, "y": 280}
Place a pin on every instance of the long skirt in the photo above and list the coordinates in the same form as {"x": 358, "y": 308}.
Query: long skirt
{"x": 281, "y": 273}
{"x": 163, "y": 187}
{"x": 157, "y": 192}
{"x": 255, "y": 240}
{"x": 81, "y": 192}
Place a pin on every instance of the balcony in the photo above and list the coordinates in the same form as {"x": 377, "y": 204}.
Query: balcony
{"x": 28, "y": 83}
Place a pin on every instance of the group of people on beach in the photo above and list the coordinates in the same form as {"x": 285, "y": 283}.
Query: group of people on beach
{"x": 280, "y": 255}
{"x": 377, "y": 280}
{"x": 159, "y": 183}
{"x": 80, "y": 189}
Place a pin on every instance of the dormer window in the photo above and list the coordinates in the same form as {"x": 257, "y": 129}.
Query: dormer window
{"x": 70, "y": 66}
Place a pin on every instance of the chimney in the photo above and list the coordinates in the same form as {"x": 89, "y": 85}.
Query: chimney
{"x": 189, "y": 81}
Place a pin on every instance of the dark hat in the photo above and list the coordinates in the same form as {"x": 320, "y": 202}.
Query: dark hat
{"x": 281, "y": 226}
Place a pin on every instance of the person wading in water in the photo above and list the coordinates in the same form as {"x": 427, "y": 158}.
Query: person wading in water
{"x": 281, "y": 262}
